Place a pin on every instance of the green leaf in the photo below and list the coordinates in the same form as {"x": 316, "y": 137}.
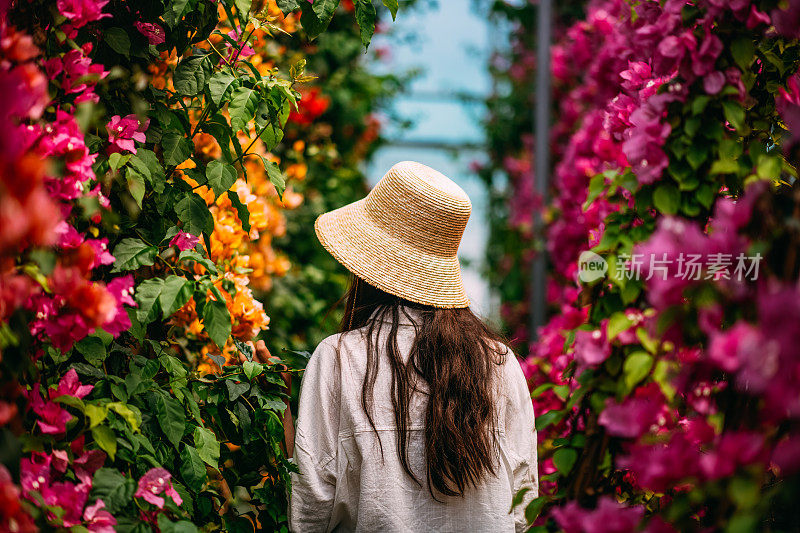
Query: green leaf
{"x": 324, "y": 8}
{"x": 105, "y": 439}
{"x": 636, "y": 367}
{"x": 96, "y": 414}
{"x": 193, "y": 470}
{"x": 217, "y": 321}
{"x": 118, "y": 40}
{"x": 241, "y": 209}
{"x": 116, "y": 490}
{"x": 220, "y": 176}
{"x": 131, "y": 254}
{"x": 133, "y": 418}
{"x": 174, "y": 12}
{"x": 174, "y": 294}
{"x": 191, "y": 74}
{"x": 243, "y": 10}
{"x": 365, "y": 16}
{"x": 392, "y": 5}
{"x": 667, "y": 198}
{"x": 136, "y": 186}
{"x": 769, "y": 166}
{"x": 171, "y": 417}
{"x": 218, "y": 86}
{"x": 618, "y": 323}
{"x": 564, "y": 459}
{"x": 743, "y": 52}
{"x": 317, "y": 17}
{"x": 236, "y": 389}
{"x": 172, "y": 365}
{"x": 93, "y": 349}
{"x": 193, "y": 212}
{"x": 118, "y": 160}
{"x": 550, "y": 417}
{"x": 287, "y": 6}
{"x": 207, "y": 446}
{"x": 242, "y": 107}
{"x": 176, "y": 148}
{"x": 734, "y": 114}
{"x": 147, "y": 293}
{"x": 194, "y": 256}
{"x": 252, "y": 369}
{"x": 596, "y": 187}
{"x": 534, "y": 509}
{"x": 275, "y": 176}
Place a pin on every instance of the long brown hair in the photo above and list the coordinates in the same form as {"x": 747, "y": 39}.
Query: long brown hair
{"x": 456, "y": 355}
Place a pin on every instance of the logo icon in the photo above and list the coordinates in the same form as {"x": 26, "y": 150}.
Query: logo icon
{"x": 591, "y": 267}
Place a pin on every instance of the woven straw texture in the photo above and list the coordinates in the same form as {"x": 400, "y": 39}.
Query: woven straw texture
{"x": 403, "y": 237}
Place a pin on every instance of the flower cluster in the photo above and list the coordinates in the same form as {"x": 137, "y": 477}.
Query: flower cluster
{"x": 675, "y": 133}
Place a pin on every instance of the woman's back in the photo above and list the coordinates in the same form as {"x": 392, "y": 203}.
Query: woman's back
{"x": 352, "y": 478}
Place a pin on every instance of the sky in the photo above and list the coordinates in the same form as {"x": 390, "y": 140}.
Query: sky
{"x": 450, "y": 44}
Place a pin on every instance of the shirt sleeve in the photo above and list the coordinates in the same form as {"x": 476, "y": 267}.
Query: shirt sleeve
{"x": 521, "y": 436}
{"x": 316, "y": 442}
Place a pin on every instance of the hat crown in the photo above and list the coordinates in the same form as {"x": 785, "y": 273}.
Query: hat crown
{"x": 420, "y": 207}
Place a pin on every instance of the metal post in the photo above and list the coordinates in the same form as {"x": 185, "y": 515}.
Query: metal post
{"x": 538, "y": 304}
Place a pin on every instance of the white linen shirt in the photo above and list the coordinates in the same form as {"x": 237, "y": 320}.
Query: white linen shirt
{"x": 345, "y": 484}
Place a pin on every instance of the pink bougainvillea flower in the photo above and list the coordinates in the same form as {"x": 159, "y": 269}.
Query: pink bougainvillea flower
{"x": 34, "y": 472}
{"x": 610, "y": 516}
{"x": 122, "y": 290}
{"x": 52, "y": 417}
{"x": 630, "y": 419}
{"x": 122, "y": 132}
{"x": 68, "y": 236}
{"x": 101, "y": 254}
{"x": 74, "y": 309}
{"x": 659, "y": 467}
{"x": 82, "y": 12}
{"x": 87, "y": 463}
{"x": 79, "y": 74}
{"x": 788, "y": 105}
{"x": 713, "y": 82}
{"x": 97, "y": 519}
{"x": 184, "y": 241}
{"x": 157, "y": 481}
{"x": 68, "y": 496}
{"x": 64, "y": 140}
{"x": 591, "y": 347}
{"x": 733, "y": 450}
{"x": 246, "y": 50}
{"x": 71, "y": 386}
{"x": 741, "y": 344}
{"x": 154, "y": 33}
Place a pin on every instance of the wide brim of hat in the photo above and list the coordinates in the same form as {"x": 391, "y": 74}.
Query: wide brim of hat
{"x": 388, "y": 263}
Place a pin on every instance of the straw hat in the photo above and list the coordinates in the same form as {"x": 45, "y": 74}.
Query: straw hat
{"x": 403, "y": 237}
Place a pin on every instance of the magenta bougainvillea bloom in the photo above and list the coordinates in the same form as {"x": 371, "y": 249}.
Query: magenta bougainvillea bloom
{"x": 741, "y": 344}
{"x": 591, "y": 347}
{"x": 184, "y": 241}
{"x": 122, "y": 290}
{"x": 82, "y": 12}
{"x": 609, "y": 517}
{"x": 154, "y": 33}
{"x": 71, "y": 386}
{"x": 631, "y": 418}
{"x": 52, "y": 417}
{"x": 78, "y": 74}
{"x": 122, "y": 132}
{"x": 97, "y": 519}
{"x": 157, "y": 481}
{"x": 65, "y": 140}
